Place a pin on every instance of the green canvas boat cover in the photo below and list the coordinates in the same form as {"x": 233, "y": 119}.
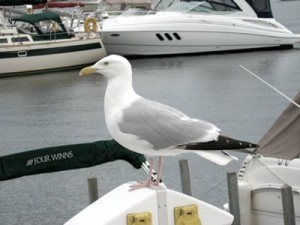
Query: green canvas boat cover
{"x": 57, "y": 30}
{"x": 38, "y": 17}
{"x": 66, "y": 157}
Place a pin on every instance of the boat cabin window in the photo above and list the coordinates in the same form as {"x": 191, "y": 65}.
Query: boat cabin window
{"x": 3, "y": 41}
{"x": 19, "y": 39}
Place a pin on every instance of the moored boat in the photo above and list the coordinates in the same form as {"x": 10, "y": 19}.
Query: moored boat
{"x": 41, "y": 42}
{"x": 197, "y": 27}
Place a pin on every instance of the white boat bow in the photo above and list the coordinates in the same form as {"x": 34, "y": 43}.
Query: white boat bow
{"x": 156, "y": 206}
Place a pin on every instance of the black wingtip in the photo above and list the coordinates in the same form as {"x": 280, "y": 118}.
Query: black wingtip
{"x": 223, "y": 143}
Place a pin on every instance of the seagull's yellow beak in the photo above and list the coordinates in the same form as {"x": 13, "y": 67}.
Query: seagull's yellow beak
{"x": 87, "y": 71}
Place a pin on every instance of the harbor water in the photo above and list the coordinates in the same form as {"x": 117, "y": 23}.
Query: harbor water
{"x": 61, "y": 108}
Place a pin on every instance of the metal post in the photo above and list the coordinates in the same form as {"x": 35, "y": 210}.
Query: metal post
{"x": 233, "y": 195}
{"x": 93, "y": 189}
{"x": 288, "y": 205}
{"x": 185, "y": 177}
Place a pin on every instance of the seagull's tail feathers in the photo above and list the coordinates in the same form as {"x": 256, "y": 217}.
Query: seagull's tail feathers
{"x": 223, "y": 143}
{"x": 221, "y": 158}
{"x": 214, "y": 150}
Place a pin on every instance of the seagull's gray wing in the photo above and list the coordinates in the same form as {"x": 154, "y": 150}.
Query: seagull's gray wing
{"x": 163, "y": 126}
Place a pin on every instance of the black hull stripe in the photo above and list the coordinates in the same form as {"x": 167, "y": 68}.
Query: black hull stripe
{"x": 50, "y": 51}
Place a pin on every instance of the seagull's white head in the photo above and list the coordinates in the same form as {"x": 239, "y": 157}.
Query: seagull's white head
{"x": 110, "y": 67}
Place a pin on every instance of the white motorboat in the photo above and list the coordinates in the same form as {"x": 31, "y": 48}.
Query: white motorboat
{"x": 41, "y": 42}
{"x": 197, "y": 27}
{"x": 275, "y": 164}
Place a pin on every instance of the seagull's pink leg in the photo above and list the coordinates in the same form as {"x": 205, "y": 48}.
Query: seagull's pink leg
{"x": 159, "y": 169}
{"x": 146, "y": 183}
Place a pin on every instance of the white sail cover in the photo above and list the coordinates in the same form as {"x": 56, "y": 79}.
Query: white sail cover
{"x": 283, "y": 139}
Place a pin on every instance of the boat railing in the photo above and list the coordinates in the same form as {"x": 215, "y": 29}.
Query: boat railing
{"x": 20, "y": 38}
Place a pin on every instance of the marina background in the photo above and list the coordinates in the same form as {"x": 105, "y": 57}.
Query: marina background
{"x": 62, "y": 108}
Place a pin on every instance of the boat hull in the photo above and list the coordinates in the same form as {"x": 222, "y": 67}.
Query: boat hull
{"x": 191, "y": 42}
{"x": 54, "y": 55}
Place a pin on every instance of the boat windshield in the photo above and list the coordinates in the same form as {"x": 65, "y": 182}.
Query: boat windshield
{"x": 204, "y": 6}
{"x": 136, "y": 12}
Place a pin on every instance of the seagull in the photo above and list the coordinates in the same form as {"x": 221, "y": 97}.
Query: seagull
{"x": 152, "y": 128}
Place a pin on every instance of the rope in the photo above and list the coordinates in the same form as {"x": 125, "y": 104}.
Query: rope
{"x": 212, "y": 189}
{"x": 265, "y": 82}
{"x": 271, "y": 171}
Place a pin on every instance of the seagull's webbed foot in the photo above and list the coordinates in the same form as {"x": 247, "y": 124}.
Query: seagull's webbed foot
{"x": 149, "y": 182}
{"x": 140, "y": 185}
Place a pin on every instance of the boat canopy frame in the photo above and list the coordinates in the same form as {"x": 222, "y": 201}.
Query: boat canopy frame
{"x": 60, "y": 31}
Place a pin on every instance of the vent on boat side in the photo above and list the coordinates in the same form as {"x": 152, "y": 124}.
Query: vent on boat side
{"x": 168, "y": 36}
{"x": 177, "y": 36}
{"x": 159, "y": 37}
{"x": 115, "y": 35}
{"x": 243, "y": 168}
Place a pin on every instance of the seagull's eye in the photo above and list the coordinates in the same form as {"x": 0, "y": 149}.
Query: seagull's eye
{"x": 106, "y": 63}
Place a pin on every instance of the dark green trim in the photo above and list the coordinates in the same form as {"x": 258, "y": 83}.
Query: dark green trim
{"x": 51, "y": 51}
